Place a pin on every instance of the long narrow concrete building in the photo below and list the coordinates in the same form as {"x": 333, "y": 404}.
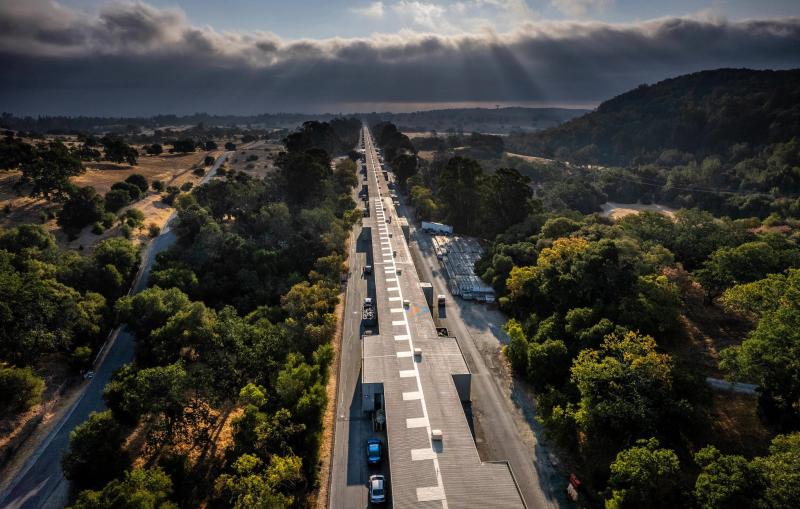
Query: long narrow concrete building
{"x": 420, "y": 380}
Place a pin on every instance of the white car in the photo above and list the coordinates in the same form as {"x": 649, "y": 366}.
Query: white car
{"x": 377, "y": 489}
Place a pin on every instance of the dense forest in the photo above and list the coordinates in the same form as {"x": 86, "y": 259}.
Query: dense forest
{"x": 599, "y": 316}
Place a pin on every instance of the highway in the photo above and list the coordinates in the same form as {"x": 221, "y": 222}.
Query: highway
{"x": 40, "y": 482}
{"x": 499, "y": 435}
{"x": 349, "y": 472}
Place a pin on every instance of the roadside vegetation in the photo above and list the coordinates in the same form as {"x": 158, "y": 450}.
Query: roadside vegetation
{"x": 222, "y": 406}
{"x": 615, "y": 325}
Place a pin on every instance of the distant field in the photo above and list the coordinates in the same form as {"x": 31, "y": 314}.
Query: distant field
{"x": 172, "y": 169}
{"x": 619, "y": 210}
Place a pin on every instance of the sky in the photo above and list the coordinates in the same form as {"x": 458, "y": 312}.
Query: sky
{"x": 133, "y": 58}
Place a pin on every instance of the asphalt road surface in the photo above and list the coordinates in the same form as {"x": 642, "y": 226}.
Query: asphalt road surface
{"x": 40, "y": 483}
{"x": 349, "y": 469}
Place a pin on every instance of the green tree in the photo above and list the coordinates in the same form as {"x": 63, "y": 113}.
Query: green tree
{"x": 461, "y": 187}
{"x": 505, "y": 200}
{"x": 155, "y": 149}
{"x": 20, "y": 389}
{"x": 770, "y": 356}
{"x": 644, "y": 475}
{"x": 96, "y": 453}
{"x": 404, "y": 167}
{"x": 725, "y": 481}
{"x": 115, "y": 199}
{"x": 780, "y": 470}
{"x": 249, "y": 488}
{"x": 117, "y": 151}
{"x": 625, "y": 388}
{"x": 138, "y": 489}
{"x": 49, "y": 171}
{"x": 184, "y": 145}
{"x": 83, "y": 207}
{"x": 138, "y": 180}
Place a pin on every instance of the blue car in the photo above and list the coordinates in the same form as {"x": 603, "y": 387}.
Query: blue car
{"x": 373, "y": 451}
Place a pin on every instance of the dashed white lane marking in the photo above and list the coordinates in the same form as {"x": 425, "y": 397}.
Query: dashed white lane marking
{"x": 394, "y": 299}
{"x": 396, "y": 310}
{"x": 422, "y": 454}
{"x": 400, "y": 355}
{"x": 430, "y": 493}
{"x": 407, "y": 373}
{"x": 417, "y": 422}
{"x": 391, "y": 279}
{"x": 411, "y": 396}
{"x": 399, "y": 322}
{"x": 402, "y": 337}
{"x": 393, "y": 289}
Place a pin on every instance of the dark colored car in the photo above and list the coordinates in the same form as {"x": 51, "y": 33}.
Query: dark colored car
{"x": 374, "y": 451}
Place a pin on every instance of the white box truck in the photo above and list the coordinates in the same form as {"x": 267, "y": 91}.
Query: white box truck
{"x": 435, "y": 228}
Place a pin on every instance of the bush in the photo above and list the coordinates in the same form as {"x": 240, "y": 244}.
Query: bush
{"x": 154, "y": 230}
{"x": 186, "y": 187}
{"x": 81, "y": 358}
{"x": 172, "y": 193}
{"x": 108, "y": 219}
{"x": 20, "y": 389}
{"x": 208, "y": 161}
{"x": 157, "y": 185}
{"x": 230, "y": 146}
{"x": 126, "y": 230}
{"x": 199, "y": 172}
{"x": 252, "y": 157}
{"x": 133, "y": 218}
{"x": 98, "y": 228}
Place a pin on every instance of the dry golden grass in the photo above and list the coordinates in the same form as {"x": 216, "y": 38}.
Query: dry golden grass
{"x": 172, "y": 169}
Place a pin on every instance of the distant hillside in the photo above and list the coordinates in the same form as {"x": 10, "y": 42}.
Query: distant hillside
{"x": 467, "y": 120}
{"x": 705, "y": 113}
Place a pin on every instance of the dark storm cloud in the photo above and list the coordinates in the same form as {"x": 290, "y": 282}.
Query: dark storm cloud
{"x": 134, "y": 59}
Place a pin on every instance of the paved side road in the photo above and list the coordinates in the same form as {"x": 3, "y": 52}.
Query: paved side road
{"x": 40, "y": 483}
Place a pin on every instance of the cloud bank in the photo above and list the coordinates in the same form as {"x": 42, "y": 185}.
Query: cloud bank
{"x": 134, "y": 59}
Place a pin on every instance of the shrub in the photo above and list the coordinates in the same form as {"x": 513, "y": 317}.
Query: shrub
{"x": 186, "y": 186}
{"x": 126, "y": 230}
{"x": 20, "y": 389}
{"x": 208, "y": 161}
{"x": 154, "y": 230}
{"x": 199, "y": 172}
{"x": 98, "y": 228}
{"x": 157, "y": 185}
{"x": 81, "y": 358}
{"x": 108, "y": 219}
